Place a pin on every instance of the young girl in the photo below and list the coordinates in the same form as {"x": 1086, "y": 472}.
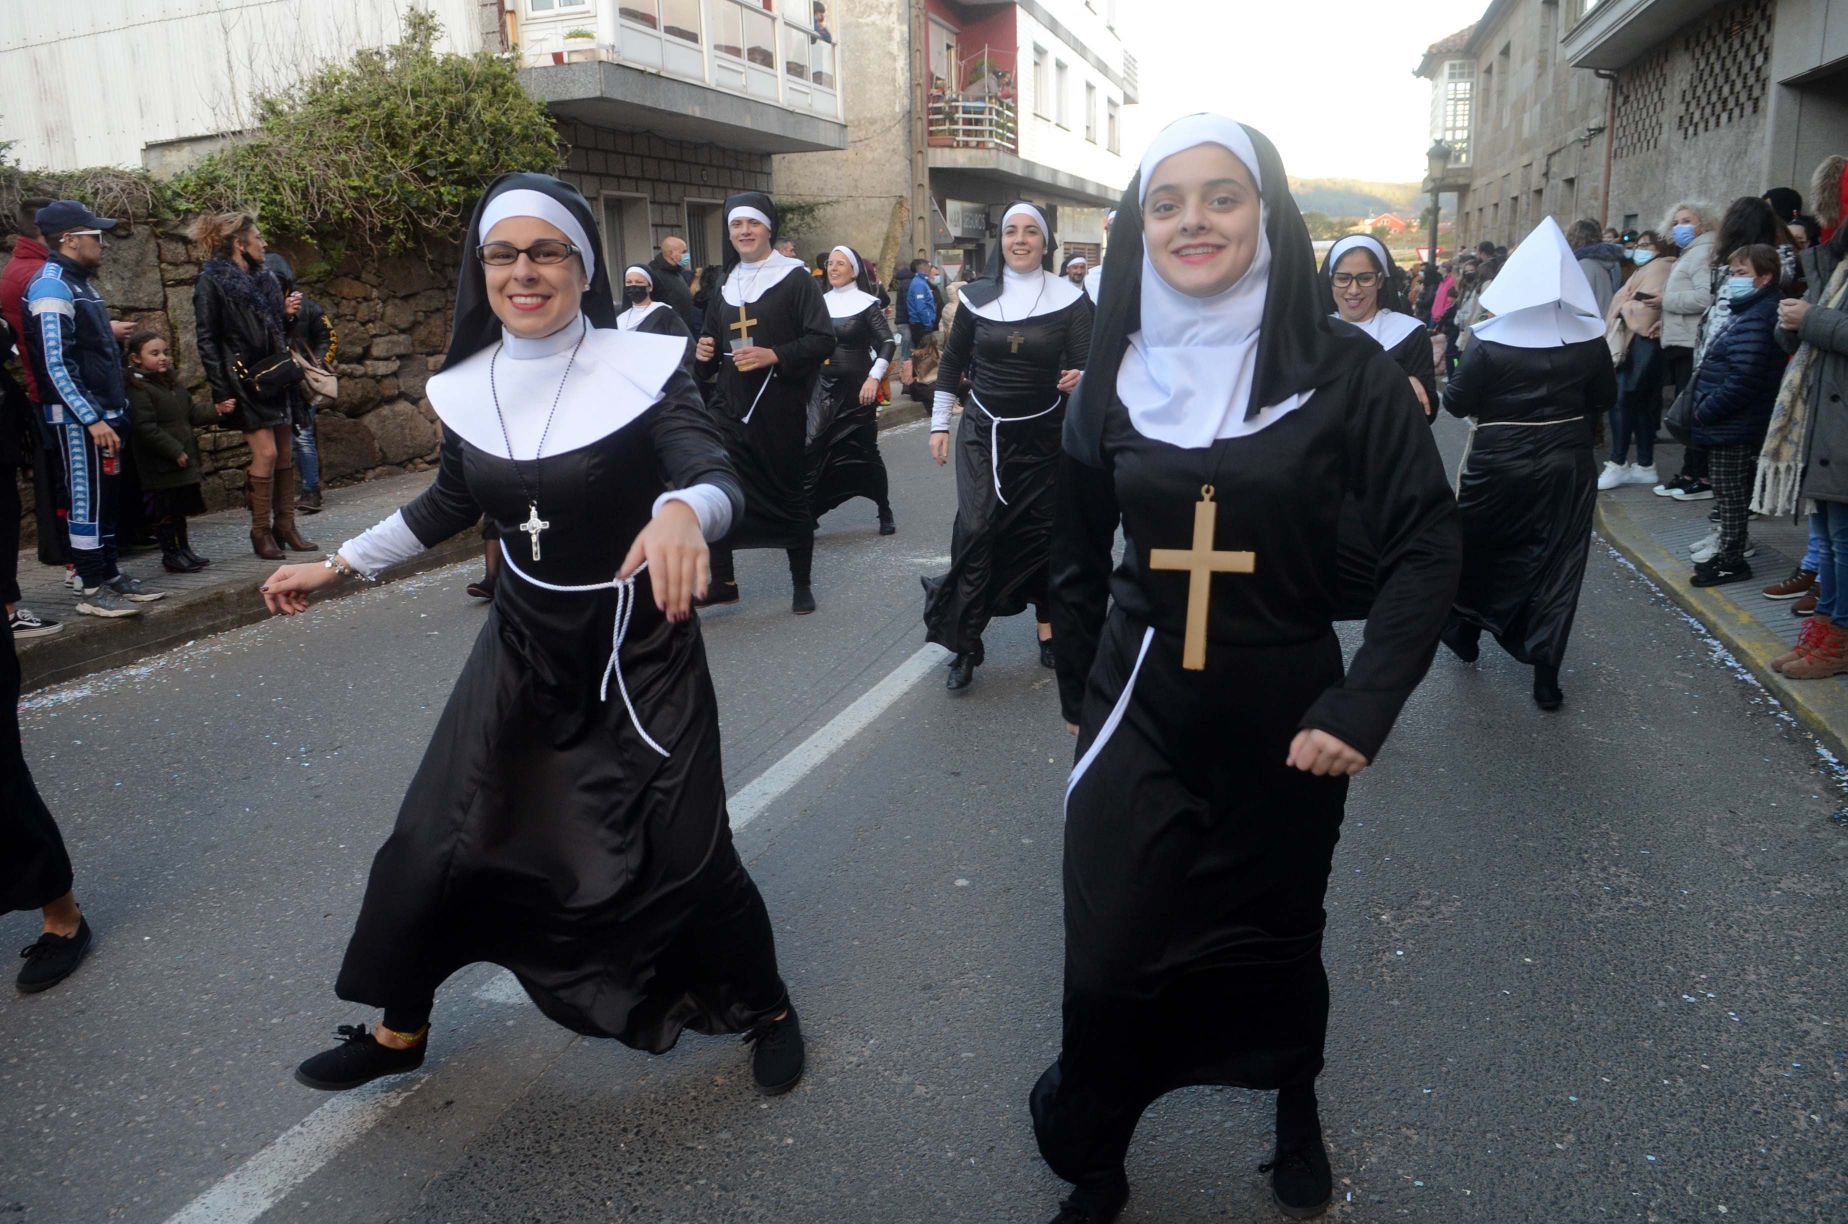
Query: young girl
{"x": 162, "y": 415}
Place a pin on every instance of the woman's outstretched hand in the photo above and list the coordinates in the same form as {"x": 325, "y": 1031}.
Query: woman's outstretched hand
{"x": 1321, "y": 754}
{"x": 288, "y": 588}
{"x": 679, "y": 565}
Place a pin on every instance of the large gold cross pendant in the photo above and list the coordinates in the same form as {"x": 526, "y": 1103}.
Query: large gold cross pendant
{"x": 745, "y": 323}
{"x": 1201, "y": 563}
{"x": 1014, "y": 342}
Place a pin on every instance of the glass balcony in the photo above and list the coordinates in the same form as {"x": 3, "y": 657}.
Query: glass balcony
{"x": 779, "y": 52}
{"x": 980, "y": 110}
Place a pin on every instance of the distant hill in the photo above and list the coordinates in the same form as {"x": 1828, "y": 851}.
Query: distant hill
{"x": 1354, "y": 198}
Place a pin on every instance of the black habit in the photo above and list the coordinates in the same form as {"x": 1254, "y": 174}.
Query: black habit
{"x": 35, "y": 870}
{"x": 844, "y": 459}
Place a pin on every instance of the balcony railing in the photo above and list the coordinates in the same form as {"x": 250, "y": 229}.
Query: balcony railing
{"x": 785, "y": 58}
{"x": 982, "y": 111}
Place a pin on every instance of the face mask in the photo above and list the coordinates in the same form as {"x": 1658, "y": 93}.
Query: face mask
{"x": 1739, "y": 287}
{"x": 633, "y": 294}
{"x": 1641, "y": 257}
{"x": 1683, "y": 234}
{"x": 685, "y": 260}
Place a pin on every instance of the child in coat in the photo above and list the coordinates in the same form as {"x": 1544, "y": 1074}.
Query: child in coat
{"x": 162, "y": 415}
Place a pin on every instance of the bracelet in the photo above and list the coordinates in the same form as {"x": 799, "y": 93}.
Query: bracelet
{"x": 333, "y": 562}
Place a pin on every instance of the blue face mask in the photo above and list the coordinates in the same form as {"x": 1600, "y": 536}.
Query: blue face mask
{"x": 685, "y": 260}
{"x": 1740, "y": 287}
{"x": 1683, "y": 234}
{"x": 1639, "y": 258}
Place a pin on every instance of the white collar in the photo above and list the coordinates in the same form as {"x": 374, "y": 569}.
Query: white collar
{"x": 749, "y": 281}
{"x": 1388, "y": 328}
{"x": 847, "y": 301}
{"x": 1025, "y": 295}
{"x": 1093, "y": 281}
{"x": 616, "y": 376}
{"x": 1541, "y": 298}
{"x": 631, "y": 318}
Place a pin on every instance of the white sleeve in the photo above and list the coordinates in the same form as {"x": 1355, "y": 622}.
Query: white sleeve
{"x": 940, "y": 408}
{"x": 709, "y": 503}
{"x": 878, "y": 372}
{"x": 383, "y": 546}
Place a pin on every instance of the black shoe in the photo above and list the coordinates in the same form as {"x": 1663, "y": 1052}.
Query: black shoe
{"x": 178, "y": 563}
{"x": 1301, "y": 1181}
{"x": 962, "y": 672}
{"x": 309, "y": 502}
{"x": 1718, "y": 573}
{"x": 776, "y": 1054}
{"x": 1547, "y": 694}
{"x": 1094, "y": 1205}
{"x": 803, "y": 601}
{"x": 718, "y": 593}
{"x": 481, "y": 588}
{"x": 358, "y": 1059}
{"x": 886, "y": 525}
{"x": 1047, "y": 658}
{"x": 52, "y": 958}
{"x": 1463, "y": 639}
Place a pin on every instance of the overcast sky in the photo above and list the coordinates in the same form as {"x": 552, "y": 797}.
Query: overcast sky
{"x": 1329, "y": 81}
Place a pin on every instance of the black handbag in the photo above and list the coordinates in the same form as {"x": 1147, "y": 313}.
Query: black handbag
{"x": 1680, "y": 419}
{"x": 270, "y": 377}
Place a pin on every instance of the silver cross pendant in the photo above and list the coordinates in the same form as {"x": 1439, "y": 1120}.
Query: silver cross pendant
{"x": 533, "y": 526}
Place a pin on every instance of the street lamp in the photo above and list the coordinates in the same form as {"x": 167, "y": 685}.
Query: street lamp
{"x": 1437, "y": 160}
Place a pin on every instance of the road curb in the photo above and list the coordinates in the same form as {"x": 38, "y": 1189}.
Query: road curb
{"x": 896, "y": 414}
{"x": 1821, "y": 706}
{"x": 81, "y": 650}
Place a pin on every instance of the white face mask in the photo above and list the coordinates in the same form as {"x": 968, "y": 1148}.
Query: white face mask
{"x": 1639, "y": 258}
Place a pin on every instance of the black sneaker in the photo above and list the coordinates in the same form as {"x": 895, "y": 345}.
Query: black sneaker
{"x": 52, "y": 958}
{"x": 803, "y": 601}
{"x": 1301, "y": 1181}
{"x": 358, "y": 1059}
{"x": 28, "y": 624}
{"x": 886, "y": 525}
{"x": 1094, "y": 1205}
{"x": 776, "y": 1055}
{"x": 1717, "y": 572}
{"x": 1668, "y": 488}
{"x": 1694, "y": 490}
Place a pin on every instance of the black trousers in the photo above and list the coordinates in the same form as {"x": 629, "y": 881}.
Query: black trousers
{"x": 10, "y": 511}
{"x": 35, "y": 870}
{"x": 801, "y": 564}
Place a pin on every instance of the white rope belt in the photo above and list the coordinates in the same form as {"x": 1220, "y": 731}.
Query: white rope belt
{"x": 768, "y": 375}
{"x": 625, "y": 611}
{"x": 1527, "y": 424}
{"x": 994, "y": 436}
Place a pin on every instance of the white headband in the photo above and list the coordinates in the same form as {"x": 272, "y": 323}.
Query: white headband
{"x": 1184, "y": 134}
{"x": 851, "y": 258}
{"x": 1030, "y": 211}
{"x": 745, "y": 210}
{"x": 1358, "y": 242}
{"x": 524, "y": 202}
{"x": 636, "y": 268}
{"x": 1077, "y": 259}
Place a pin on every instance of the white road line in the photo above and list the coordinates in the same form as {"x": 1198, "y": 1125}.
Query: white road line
{"x": 267, "y": 1178}
{"x": 770, "y": 785}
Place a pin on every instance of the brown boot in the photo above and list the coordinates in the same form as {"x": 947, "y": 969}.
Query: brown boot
{"x": 1806, "y": 638}
{"x": 257, "y": 497}
{"x": 286, "y": 534}
{"x": 1827, "y": 656}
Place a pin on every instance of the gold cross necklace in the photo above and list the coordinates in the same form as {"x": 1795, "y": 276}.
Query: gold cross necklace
{"x": 1200, "y": 563}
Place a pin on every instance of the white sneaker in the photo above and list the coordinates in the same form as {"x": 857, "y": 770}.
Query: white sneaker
{"x": 1640, "y": 475}
{"x": 1706, "y": 544}
{"x": 1615, "y": 475}
{"x": 1710, "y": 549}
{"x": 71, "y": 579}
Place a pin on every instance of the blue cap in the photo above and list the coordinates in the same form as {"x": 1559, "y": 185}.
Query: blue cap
{"x": 63, "y": 216}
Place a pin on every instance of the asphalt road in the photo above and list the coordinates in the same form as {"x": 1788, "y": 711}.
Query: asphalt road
{"x": 1585, "y": 966}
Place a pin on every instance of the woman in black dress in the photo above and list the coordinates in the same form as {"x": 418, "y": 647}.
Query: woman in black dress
{"x": 643, "y": 310}
{"x": 1022, "y": 337}
{"x": 844, "y": 459}
{"x": 1365, "y": 285}
{"x": 1534, "y": 380}
{"x": 568, "y": 821}
{"x": 765, "y": 336}
{"x": 1221, "y": 424}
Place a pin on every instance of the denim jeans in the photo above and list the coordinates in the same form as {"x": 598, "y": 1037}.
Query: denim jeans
{"x": 307, "y": 455}
{"x": 1638, "y": 410}
{"x": 1831, "y": 533}
{"x": 1812, "y": 555}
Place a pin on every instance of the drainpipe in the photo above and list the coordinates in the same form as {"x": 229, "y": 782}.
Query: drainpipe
{"x": 1610, "y": 140}
{"x": 920, "y": 130}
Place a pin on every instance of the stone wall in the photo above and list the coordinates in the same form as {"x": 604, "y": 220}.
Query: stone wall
{"x": 390, "y": 316}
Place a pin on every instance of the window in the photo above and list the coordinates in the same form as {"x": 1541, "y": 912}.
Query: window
{"x": 1453, "y": 104}
{"x": 676, "y": 18}
{"x": 726, "y": 21}
{"x": 547, "y": 6}
{"x": 1090, "y": 112}
{"x": 626, "y": 238}
{"x": 705, "y": 233}
{"x": 943, "y": 55}
{"x": 759, "y": 38}
{"x": 1061, "y": 91}
{"x": 1041, "y": 87}
{"x": 1113, "y": 129}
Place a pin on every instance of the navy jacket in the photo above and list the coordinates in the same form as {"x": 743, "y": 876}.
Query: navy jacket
{"x": 74, "y": 355}
{"x": 1737, "y": 385}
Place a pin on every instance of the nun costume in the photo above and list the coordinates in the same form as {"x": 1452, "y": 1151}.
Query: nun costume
{"x": 1014, "y": 336}
{"x": 568, "y": 820}
{"x": 1532, "y": 382}
{"x": 643, "y": 310}
{"x": 1221, "y": 430}
{"x": 1389, "y": 323}
{"x": 844, "y": 459}
{"x": 1094, "y": 278}
{"x": 762, "y": 407}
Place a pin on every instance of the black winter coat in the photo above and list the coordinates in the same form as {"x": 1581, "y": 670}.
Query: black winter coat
{"x": 162, "y": 414}
{"x": 671, "y": 289}
{"x": 1738, "y": 380}
{"x": 230, "y": 330}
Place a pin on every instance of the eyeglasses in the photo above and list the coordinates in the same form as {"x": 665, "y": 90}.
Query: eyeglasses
{"x": 82, "y": 234}
{"x": 544, "y": 251}
{"x": 1366, "y": 280}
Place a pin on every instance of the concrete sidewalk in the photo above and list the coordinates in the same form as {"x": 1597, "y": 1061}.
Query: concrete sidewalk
{"x": 224, "y": 596}
{"x": 1654, "y": 533}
